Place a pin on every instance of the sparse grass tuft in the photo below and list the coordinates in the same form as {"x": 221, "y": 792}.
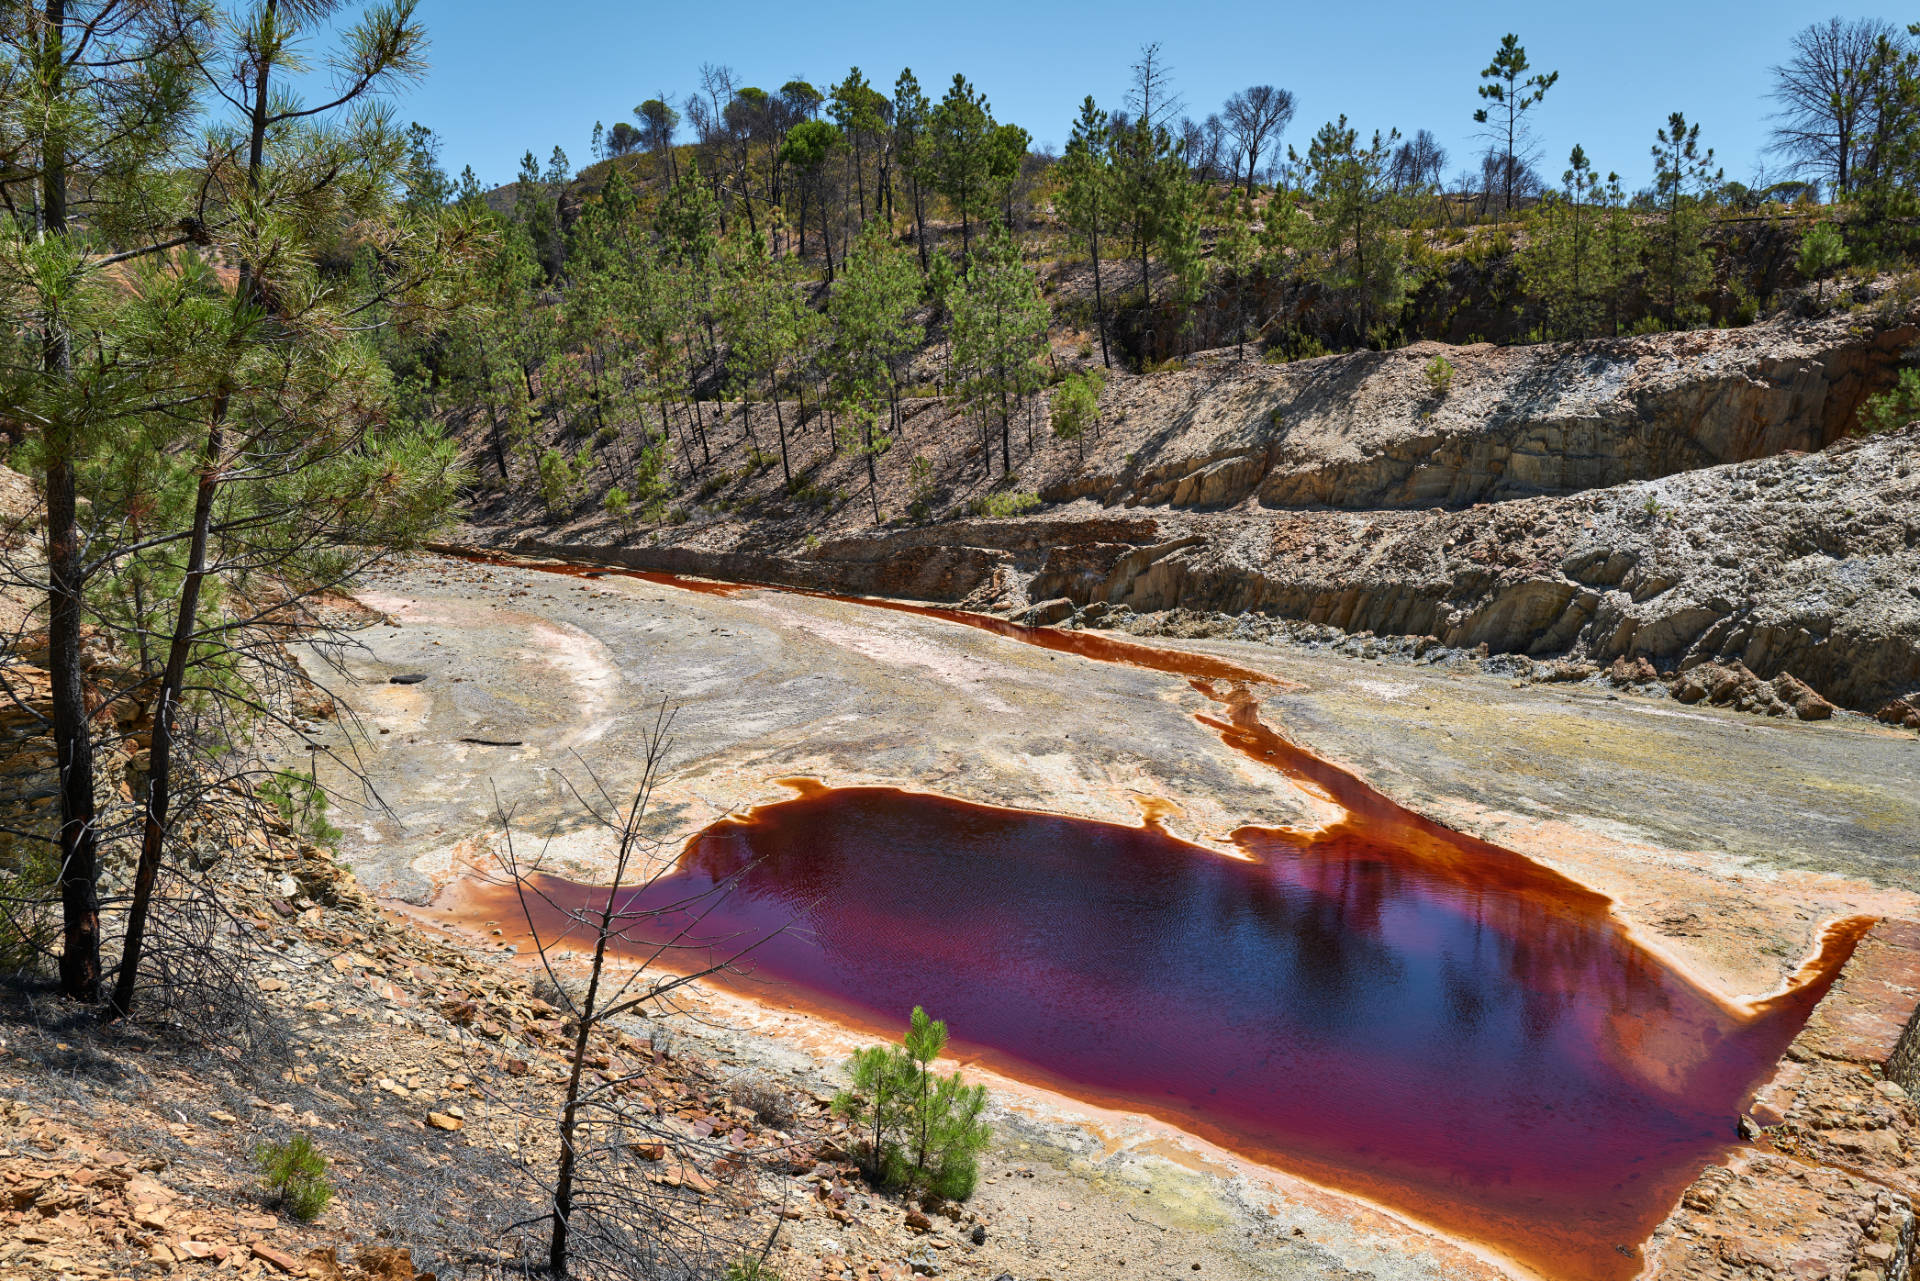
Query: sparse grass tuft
{"x": 769, "y": 1103}
{"x": 1006, "y": 503}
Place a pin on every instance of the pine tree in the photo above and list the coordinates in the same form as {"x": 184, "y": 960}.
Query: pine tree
{"x": 1358, "y": 253}
{"x": 807, "y": 148}
{"x": 860, "y": 112}
{"x": 1150, "y": 181}
{"x": 1563, "y": 263}
{"x": 1086, "y": 198}
{"x": 1183, "y": 250}
{"x": 767, "y": 322}
{"x": 1513, "y": 94}
{"x": 253, "y": 429}
{"x": 96, "y": 104}
{"x": 1821, "y": 250}
{"x": 960, "y": 155}
{"x": 1889, "y": 171}
{"x": 1075, "y": 407}
{"x": 870, "y": 313}
{"x": 1679, "y": 264}
{"x": 1622, "y": 249}
{"x": 1006, "y": 152}
{"x": 917, "y": 1129}
{"x": 999, "y": 330}
{"x": 536, "y": 210}
{"x": 1236, "y": 251}
{"x": 912, "y": 145}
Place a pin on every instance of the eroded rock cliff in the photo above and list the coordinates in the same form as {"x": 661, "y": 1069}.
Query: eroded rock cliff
{"x": 1674, "y": 499}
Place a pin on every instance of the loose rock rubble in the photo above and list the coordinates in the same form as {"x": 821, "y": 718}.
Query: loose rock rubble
{"x": 429, "y": 1072}
{"x": 1732, "y": 685}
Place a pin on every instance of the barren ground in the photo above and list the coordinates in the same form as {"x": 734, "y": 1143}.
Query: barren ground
{"x": 1726, "y": 841}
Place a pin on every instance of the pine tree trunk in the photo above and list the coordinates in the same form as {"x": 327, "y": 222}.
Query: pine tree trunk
{"x": 66, "y": 588}
{"x": 780, "y": 424}
{"x": 153, "y": 832}
{"x": 73, "y": 742}
{"x": 920, "y": 224}
{"x": 1006, "y": 434}
{"x": 1099, "y": 299}
{"x": 826, "y": 237}
{"x": 493, "y": 416}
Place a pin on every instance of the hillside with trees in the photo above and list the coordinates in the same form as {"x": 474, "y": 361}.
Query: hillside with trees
{"x": 751, "y": 277}
{"x": 1202, "y": 372}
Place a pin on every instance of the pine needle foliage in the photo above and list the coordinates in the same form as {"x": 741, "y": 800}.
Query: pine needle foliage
{"x": 294, "y": 1174}
{"x": 918, "y": 1131}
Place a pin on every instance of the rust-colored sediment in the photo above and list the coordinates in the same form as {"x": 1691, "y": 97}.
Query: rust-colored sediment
{"x": 1384, "y": 1006}
{"x": 1104, "y": 649}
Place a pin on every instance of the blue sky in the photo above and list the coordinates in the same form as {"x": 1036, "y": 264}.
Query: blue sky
{"x": 508, "y": 77}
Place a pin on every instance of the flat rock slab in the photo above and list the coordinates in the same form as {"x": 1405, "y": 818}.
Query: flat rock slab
{"x": 1829, "y": 1190}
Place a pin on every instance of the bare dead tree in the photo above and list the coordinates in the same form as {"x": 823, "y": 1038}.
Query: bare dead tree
{"x": 1151, "y": 97}
{"x": 1419, "y": 164}
{"x": 1506, "y": 177}
{"x": 603, "y": 1216}
{"x": 1825, "y": 94}
{"x": 1254, "y": 118}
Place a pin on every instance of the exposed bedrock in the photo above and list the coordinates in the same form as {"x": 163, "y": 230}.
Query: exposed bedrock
{"x": 1678, "y": 498}
{"x": 1801, "y": 564}
{"x": 1367, "y": 431}
{"x": 1806, "y": 564}
{"x": 1828, "y": 1190}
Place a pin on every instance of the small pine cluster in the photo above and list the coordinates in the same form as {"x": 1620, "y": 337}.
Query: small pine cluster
{"x": 920, "y": 1132}
{"x": 295, "y": 1176}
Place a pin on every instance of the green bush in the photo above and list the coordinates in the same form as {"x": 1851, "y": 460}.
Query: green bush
{"x": 1439, "y": 376}
{"x": 560, "y": 476}
{"x": 1076, "y": 404}
{"x": 1821, "y": 250}
{"x": 619, "y": 506}
{"x": 301, "y": 803}
{"x": 30, "y": 886}
{"x": 295, "y": 1175}
{"x": 921, "y": 488}
{"x": 1292, "y": 345}
{"x": 1005, "y": 503}
{"x": 917, "y": 1130}
{"x": 814, "y": 494}
{"x": 1893, "y": 408}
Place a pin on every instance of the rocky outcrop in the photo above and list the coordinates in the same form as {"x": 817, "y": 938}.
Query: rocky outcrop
{"x": 1676, "y": 499}
{"x": 1803, "y": 564}
{"x": 1366, "y": 431}
{"x": 1803, "y": 569}
{"x": 1732, "y": 685}
{"x": 1830, "y": 1191}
